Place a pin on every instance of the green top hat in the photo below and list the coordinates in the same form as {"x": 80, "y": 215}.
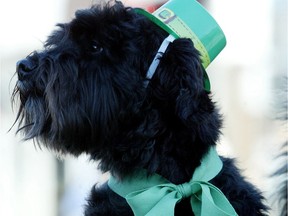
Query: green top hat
{"x": 188, "y": 19}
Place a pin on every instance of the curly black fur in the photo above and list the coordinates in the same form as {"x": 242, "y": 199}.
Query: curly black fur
{"x": 85, "y": 93}
{"x": 279, "y": 197}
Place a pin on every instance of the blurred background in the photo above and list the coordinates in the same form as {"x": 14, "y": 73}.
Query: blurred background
{"x": 247, "y": 82}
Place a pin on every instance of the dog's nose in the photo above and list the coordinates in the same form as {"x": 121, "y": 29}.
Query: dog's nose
{"x": 24, "y": 68}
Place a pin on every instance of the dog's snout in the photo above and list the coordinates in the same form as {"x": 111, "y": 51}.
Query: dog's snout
{"x": 24, "y": 68}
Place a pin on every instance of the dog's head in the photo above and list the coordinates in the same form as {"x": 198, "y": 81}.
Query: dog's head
{"x": 85, "y": 91}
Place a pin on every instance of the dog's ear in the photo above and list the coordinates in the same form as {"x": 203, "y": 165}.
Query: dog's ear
{"x": 178, "y": 90}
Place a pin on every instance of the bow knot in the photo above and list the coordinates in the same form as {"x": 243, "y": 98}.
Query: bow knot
{"x": 185, "y": 190}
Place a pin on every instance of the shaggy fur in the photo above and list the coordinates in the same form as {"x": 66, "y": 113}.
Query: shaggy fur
{"x": 85, "y": 93}
{"x": 279, "y": 197}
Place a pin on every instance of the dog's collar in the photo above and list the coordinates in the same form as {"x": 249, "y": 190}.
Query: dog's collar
{"x": 162, "y": 49}
{"x": 150, "y": 195}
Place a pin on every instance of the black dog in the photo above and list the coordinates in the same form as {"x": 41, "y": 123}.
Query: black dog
{"x": 86, "y": 93}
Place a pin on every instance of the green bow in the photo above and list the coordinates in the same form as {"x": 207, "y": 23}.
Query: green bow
{"x": 155, "y": 196}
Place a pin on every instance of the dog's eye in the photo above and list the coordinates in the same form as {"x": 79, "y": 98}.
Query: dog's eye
{"x": 96, "y": 48}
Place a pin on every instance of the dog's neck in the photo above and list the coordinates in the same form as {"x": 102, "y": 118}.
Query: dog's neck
{"x": 169, "y": 151}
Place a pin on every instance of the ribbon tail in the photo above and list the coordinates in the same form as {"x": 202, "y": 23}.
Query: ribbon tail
{"x": 211, "y": 201}
{"x": 165, "y": 207}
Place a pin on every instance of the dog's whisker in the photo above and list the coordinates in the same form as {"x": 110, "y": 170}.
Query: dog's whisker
{"x": 24, "y": 127}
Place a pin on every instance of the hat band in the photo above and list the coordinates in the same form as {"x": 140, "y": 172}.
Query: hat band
{"x": 181, "y": 29}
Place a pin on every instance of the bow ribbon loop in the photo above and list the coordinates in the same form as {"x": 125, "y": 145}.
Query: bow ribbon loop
{"x": 155, "y": 195}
